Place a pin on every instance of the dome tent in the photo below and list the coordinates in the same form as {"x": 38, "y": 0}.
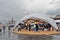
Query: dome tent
{"x": 39, "y": 16}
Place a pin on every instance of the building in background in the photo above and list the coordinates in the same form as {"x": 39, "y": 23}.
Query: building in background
{"x": 57, "y": 20}
{"x": 11, "y": 23}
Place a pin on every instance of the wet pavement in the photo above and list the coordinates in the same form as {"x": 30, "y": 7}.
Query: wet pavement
{"x": 11, "y": 36}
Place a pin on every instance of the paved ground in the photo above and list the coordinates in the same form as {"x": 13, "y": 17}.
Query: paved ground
{"x": 12, "y": 36}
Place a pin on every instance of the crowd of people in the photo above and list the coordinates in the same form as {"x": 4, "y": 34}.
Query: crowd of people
{"x": 36, "y": 26}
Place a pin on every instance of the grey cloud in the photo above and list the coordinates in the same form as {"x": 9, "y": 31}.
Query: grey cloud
{"x": 54, "y": 12}
{"x": 55, "y": 9}
{"x": 10, "y": 8}
{"x": 16, "y": 7}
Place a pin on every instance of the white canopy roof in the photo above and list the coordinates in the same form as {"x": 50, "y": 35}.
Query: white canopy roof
{"x": 39, "y": 16}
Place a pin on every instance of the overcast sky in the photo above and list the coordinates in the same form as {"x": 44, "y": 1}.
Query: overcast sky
{"x": 19, "y": 8}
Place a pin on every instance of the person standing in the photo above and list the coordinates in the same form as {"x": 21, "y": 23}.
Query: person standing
{"x": 41, "y": 26}
{"x": 47, "y": 26}
{"x": 9, "y": 28}
{"x": 36, "y": 27}
{"x": 1, "y": 27}
{"x": 4, "y": 28}
{"x": 19, "y": 28}
{"x": 29, "y": 27}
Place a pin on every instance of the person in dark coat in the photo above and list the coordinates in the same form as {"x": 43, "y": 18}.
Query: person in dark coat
{"x": 19, "y": 28}
{"x": 42, "y": 26}
{"x": 36, "y": 27}
{"x": 47, "y": 26}
{"x": 29, "y": 27}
